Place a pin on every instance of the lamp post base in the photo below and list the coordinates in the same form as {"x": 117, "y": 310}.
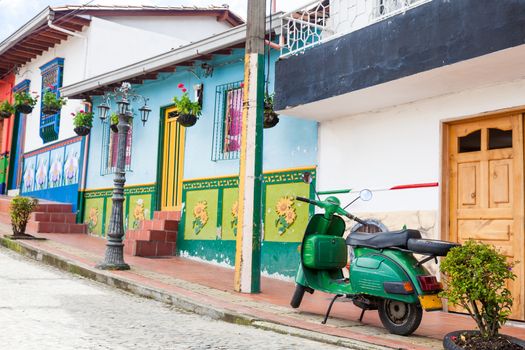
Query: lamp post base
{"x": 106, "y": 266}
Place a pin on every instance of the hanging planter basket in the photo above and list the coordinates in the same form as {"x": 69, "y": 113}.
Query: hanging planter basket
{"x": 187, "y": 120}
{"x": 270, "y": 119}
{"x": 4, "y": 115}
{"x": 50, "y": 110}
{"x": 114, "y": 128}
{"x": 24, "y": 109}
{"x": 82, "y": 130}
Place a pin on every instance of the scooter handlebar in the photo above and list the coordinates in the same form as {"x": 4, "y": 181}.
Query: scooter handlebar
{"x": 307, "y": 200}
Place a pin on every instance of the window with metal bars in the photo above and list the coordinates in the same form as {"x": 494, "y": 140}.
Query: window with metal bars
{"x": 110, "y": 149}
{"x": 227, "y": 121}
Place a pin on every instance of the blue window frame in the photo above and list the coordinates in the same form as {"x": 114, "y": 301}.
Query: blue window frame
{"x": 52, "y": 75}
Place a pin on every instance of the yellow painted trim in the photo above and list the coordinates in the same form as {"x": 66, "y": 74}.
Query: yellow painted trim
{"x": 111, "y": 188}
{"x": 236, "y": 176}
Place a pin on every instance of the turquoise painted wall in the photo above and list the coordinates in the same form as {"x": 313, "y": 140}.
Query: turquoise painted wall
{"x": 292, "y": 143}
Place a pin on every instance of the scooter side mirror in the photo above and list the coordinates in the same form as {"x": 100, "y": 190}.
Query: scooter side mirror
{"x": 365, "y": 195}
{"x": 307, "y": 177}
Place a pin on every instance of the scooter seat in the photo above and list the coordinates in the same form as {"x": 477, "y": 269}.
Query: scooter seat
{"x": 382, "y": 240}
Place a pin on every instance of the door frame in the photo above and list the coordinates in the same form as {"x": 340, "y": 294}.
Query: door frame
{"x": 160, "y": 157}
{"x": 444, "y": 195}
{"x": 17, "y": 144}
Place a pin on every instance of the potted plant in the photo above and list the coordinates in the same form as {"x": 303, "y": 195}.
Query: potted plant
{"x": 187, "y": 110}
{"x": 19, "y": 209}
{"x": 270, "y": 117}
{"x": 83, "y": 121}
{"x": 51, "y": 103}
{"x": 24, "y": 102}
{"x": 476, "y": 277}
{"x": 113, "y": 122}
{"x": 6, "y": 109}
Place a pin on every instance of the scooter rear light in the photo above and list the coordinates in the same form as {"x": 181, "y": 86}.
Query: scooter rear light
{"x": 429, "y": 283}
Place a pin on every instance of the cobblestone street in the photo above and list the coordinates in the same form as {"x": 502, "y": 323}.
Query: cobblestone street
{"x": 43, "y": 308}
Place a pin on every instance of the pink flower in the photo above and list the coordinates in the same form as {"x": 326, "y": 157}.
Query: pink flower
{"x": 81, "y": 111}
{"x": 180, "y": 86}
{"x": 184, "y": 90}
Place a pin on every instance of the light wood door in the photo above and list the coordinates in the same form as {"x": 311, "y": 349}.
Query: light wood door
{"x": 486, "y": 189}
{"x": 172, "y": 162}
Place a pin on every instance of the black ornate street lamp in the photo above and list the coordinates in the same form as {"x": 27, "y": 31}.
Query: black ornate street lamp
{"x": 114, "y": 256}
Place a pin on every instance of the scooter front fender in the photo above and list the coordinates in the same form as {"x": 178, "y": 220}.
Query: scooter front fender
{"x": 299, "y": 277}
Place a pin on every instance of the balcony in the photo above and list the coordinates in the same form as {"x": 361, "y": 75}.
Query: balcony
{"x": 351, "y": 56}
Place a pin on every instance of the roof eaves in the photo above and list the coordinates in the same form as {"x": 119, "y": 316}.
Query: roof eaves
{"x": 188, "y": 52}
{"x": 35, "y": 23}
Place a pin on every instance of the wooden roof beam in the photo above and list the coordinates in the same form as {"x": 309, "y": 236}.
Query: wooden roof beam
{"x": 186, "y": 64}
{"x": 44, "y": 40}
{"x": 75, "y": 20}
{"x": 53, "y": 34}
{"x": 18, "y": 60}
{"x": 223, "y": 52}
{"x": 33, "y": 45}
{"x": 207, "y": 57}
{"x": 25, "y": 50}
{"x": 169, "y": 69}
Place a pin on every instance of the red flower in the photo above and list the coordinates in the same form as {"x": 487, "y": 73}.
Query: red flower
{"x": 184, "y": 90}
{"x": 180, "y": 86}
{"x": 242, "y": 84}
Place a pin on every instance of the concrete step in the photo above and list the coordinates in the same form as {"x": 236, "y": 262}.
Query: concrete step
{"x": 168, "y": 225}
{"x": 152, "y": 235}
{"x": 55, "y": 227}
{"x": 149, "y": 249}
{"x": 167, "y": 215}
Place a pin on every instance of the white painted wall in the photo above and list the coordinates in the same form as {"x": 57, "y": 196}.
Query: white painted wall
{"x": 106, "y": 46}
{"x": 401, "y": 145}
{"x": 184, "y": 28}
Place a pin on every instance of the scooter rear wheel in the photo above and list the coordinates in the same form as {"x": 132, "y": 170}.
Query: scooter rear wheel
{"x": 297, "y": 297}
{"x": 398, "y": 317}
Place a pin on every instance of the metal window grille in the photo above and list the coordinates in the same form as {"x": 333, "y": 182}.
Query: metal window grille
{"x": 227, "y": 121}
{"x": 110, "y": 149}
{"x": 52, "y": 76}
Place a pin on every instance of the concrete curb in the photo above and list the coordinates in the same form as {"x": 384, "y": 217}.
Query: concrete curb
{"x": 176, "y": 300}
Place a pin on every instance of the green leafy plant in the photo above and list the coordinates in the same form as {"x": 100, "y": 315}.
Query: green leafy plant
{"x": 113, "y": 119}
{"x": 475, "y": 279}
{"x": 185, "y": 105}
{"x": 270, "y": 117}
{"x": 24, "y": 98}
{"x": 82, "y": 118}
{"x": 7, "y": 108}
{"x": 19, "y": 209}
{"x": 51, "y": 101}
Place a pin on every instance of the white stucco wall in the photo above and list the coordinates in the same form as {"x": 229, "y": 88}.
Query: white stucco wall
{"x": 106, "y": 46}
{"x": 401, "y": 145}
{"x": 184, "y": 28}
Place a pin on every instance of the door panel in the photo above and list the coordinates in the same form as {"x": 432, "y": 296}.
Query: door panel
{"x": 172, "y": 162}
{"x": 486, "y": 190}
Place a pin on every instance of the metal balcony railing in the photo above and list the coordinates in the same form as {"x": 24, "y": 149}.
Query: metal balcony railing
{"x": 323, "y": 20}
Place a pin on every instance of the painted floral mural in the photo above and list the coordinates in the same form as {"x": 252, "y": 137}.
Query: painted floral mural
{"x": 200, "y": 213}
{"x": 235, "y": 217}
{"x": 71, "y": 167}
{"x": 285, "y": 209}
{"x": 93, "y": 219}
{"x": 138, "y": 213}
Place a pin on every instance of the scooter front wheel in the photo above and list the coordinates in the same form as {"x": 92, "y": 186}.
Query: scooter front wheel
{"x": 297, "y": 297}
{"x": 399, "y": 317}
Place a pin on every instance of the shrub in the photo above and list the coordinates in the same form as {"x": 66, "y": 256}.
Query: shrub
{"x": 82, "y": 118}
{"x": 19, "y": 209}
{"x": 475, "y": 279}
{"x": 113, "y": 119}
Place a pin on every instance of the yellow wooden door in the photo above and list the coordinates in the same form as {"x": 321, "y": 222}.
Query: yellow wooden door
{"x": 172, "y": 162}
{"x": 486, "y": 189}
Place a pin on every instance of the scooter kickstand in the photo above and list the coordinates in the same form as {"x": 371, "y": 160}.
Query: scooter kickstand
{"x": 362, "y": 314}
{"x": 330, "y": 307}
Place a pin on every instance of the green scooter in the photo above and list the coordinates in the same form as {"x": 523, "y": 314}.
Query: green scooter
{"x": 384, "y": 274}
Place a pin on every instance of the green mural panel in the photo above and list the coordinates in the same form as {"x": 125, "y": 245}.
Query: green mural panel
{"x": 109, "y": 205}
{"x": 93, "y": 214}
{"x": 280, "y": 258}
{"x": 201, "y": 209}
{"x": 230, "y": 202}
{"x": 139, "y": 209}
{"x": 218, "y": 251}
{"x": 285, "y": 218}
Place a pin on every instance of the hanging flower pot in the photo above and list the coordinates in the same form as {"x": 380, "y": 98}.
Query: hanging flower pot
{"x": 113, "y": 120}
{"x": 6, "y": 110}
{"x": 24, "y": 102}
{"x": 83, "y": 121}
{"x": 270, "y": 117}
{"x": 188, "y": 110}
{"x": 51, "y": 103}
{"x": 82, "y": 130}
{"x": 187, "y": 120}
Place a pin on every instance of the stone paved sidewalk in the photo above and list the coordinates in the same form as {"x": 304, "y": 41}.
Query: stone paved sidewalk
{"x": 207, "y": 289}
